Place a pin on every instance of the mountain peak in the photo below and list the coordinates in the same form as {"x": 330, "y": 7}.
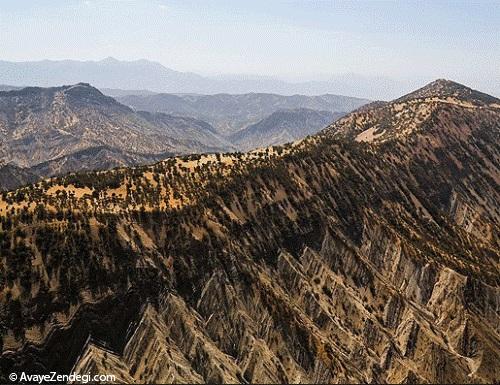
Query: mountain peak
{"x": 440, "y": 87}
{"x": 84, "y": 94}
{"x": 411, "y": 113}
{"x": 444, "y": 88}
{"x": 444, "y": 83}
{"x": 109, "y": 59}
{"x": 79, "y": 85}
{"x": 79, "y": 95}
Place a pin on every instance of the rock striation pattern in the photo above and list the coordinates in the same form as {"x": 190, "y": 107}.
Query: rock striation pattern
{"x": 336, "y": 259}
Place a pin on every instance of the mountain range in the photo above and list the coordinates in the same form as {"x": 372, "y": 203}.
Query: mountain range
{"x": 117, "y": 75}
{"x": 282, "y": 126}
{"x": 232, "y": 113}
{"x": 56, "y": 130}
{"x": 367, "y": 253}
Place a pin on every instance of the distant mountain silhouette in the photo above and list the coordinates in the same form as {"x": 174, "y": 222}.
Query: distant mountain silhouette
{"x": 147, "y": 75}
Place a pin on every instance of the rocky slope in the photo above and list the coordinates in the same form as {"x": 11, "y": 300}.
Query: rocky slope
{"x": 282, "y": 126}
{"x": 12, "y": 176}
{"x": 351, "y": 256}
{"x": 230, "y": 114}
{"x": 40, "y": 125}
{"x": 93, "y": 158}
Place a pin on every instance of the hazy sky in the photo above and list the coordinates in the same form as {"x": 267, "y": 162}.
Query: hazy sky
{"x": 289, "y": 39}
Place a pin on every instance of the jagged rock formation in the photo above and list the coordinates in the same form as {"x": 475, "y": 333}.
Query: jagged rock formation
{"x": 282, "y": 126}
{"x": 50, "y": 126}
{"x": 334, "y": 259}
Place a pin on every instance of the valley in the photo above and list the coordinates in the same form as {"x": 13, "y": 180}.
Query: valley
{"x": 55, "y": 131}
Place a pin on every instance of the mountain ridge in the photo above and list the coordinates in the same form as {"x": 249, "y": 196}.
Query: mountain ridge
{"x": 39, "y": 125}
{"x": 379, "y": 122}
{"x": 144, "y": 74}
{"x": 325, "y": 260}
{"x": 283, "y": 126}
{"x": 48, "y": 131}
{"x": 232, "y": 113}
{"x": 449, "y": 88}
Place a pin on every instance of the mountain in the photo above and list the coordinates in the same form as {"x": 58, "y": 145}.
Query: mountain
{"x": 143, "y": 74}
{"x": 4, "y": 87}
{"x": 117, "y": 93}
{"x": 409, "y": 114}
{"x": 56, "y": 130}
{"x": 12, "y": 176}
{"x": 59, "y": 124}
{"x": 232, "y": 113}
{"x": 339, "y": 258}
{"x": 281, "y": 127}
{"x": 107, "y": 73}
{"x": 90, "y": 159}
{"x": 453, "y": 91}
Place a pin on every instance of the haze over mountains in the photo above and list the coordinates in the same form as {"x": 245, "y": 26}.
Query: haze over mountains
{"x": 39, "y": 125}
{"x": 232, "y": 113}
{"x": 52, "y": 131}
{"x": 146, "y": 75}
{"x": 367, "y": 253}
{"x": 250, "y": 192}
{"x": 282, "y": 126}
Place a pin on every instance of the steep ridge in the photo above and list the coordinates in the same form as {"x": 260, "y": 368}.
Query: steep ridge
{"x": 39, "y": 125}
{"x": 444, "y": 88}
{"x": 94, "y": 158}
{"x": 412, "y": 113}
{"x": 333, "y": 259}
{"x": 281, "y": 127}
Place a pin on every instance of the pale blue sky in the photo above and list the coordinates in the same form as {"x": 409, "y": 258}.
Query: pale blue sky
{"x": 289, "y": 39}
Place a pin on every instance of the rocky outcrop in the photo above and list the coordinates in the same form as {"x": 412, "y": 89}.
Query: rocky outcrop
{"x": 322, "y": 316}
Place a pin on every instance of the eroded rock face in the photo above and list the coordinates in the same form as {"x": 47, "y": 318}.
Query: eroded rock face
{"x": 333, "y": 260}
{"x": 317, "y": 317}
